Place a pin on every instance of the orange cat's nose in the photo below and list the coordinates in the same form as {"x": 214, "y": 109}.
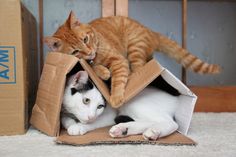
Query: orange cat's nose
{"x": 78, "y": 56}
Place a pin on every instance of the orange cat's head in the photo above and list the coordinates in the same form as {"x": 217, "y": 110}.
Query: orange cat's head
{"x": 74, "y": 38}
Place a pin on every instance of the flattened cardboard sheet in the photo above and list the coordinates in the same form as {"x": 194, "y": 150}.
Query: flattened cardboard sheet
{"x": 101, "y": 136}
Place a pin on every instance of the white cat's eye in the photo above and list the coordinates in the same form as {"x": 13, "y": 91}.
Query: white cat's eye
{"x": 100, "y": 106}
{"x": 86, "y": 101}
{"x": 86, "y": 39}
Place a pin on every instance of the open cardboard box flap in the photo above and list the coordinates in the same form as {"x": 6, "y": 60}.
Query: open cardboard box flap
{"x": 46, "y": 112}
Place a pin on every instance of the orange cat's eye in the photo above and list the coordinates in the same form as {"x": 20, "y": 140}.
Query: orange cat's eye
{"x": 86, "y": 39}
{"x": 75, "y": 52}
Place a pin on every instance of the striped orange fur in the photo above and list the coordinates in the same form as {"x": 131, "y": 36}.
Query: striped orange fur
{"x": 119, "y": 45}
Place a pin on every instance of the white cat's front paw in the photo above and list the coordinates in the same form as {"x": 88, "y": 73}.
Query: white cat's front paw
{"x": 151, "y": 134}
{"x": 77, "y": 129}
{"x": 119, "y": 130}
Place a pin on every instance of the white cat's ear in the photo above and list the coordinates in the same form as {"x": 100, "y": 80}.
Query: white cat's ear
{"x": 72, "y": 21}
{"x": 53, "y": 43}
{"x": 80, "y": 77}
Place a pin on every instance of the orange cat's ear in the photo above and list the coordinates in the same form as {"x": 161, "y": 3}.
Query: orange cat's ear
{"x": 72, "y": 20}
{"x": 53, "y": 43}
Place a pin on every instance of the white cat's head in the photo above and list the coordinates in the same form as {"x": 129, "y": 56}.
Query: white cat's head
{"x": 82, "y": 98}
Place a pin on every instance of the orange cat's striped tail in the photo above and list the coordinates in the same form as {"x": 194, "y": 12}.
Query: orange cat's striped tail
{"x": 188, "y": 60}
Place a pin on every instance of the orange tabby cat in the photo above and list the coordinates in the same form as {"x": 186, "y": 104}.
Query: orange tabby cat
{"x": 117, "y": 45}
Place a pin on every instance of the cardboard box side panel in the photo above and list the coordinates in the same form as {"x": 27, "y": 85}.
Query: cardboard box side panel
{"x": 29, "y": 35}
{"x": 46, "y": 112}
{"x": 11, "y": 126}
{"x": 183, "y": 114}
{"x": 8, "y": 120}
{"x": 48, "y": 99}
{"x": 33, "y": 64}
{"x": 176, "y": 83}
{"x": 11, "y": 51}
{"x": 139, "y": 80}
{"x": 25, "y": 59}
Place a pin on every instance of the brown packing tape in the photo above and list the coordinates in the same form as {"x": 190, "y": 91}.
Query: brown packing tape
{"x": 101, "y": 136}
{"x": 46, "y": 111}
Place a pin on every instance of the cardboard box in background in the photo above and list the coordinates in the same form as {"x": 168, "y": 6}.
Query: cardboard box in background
{"x": 46, "y": 112}
{"x": 18, "y": 66}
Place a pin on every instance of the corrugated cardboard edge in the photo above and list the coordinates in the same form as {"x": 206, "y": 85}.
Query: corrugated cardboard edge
{"x": 101, "y": 136}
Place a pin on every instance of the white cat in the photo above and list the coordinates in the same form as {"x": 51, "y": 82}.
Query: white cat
{"x": 83, "y": 107}
{"x": 150, "y": 113}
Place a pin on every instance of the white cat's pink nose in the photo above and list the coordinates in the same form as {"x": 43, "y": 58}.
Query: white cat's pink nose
{"x": 91, "y": 117}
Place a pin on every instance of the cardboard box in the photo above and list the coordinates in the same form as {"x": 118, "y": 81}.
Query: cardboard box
{"x": 46, "y": 112}
{"x": 18, "y": 66}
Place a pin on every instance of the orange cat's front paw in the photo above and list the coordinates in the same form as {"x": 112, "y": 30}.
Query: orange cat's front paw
{"x": 117, "y": 100}
{"x": 105, "y": 75}
{"x": 102, "y": 72}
